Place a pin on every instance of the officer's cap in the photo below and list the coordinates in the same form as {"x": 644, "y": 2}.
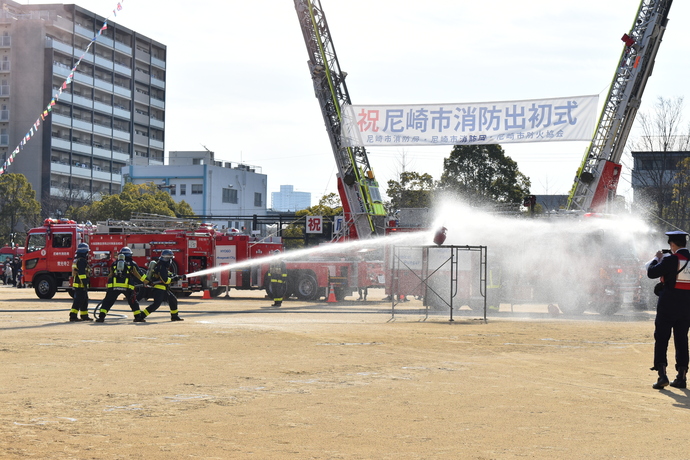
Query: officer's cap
{"x": 677, "y": 232}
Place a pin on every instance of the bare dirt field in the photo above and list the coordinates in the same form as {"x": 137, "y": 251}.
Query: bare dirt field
{"x": 238, "y": 379}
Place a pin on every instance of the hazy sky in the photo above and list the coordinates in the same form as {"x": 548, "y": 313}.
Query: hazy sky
{"x": 238, "y": 83}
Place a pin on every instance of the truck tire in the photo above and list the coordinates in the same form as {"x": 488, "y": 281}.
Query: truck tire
{"x": 306, "y": 287}
{"x": 45, "y": 287}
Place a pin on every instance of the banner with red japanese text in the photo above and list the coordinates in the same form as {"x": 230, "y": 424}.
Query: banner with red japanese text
{"x": 534, "y": 120}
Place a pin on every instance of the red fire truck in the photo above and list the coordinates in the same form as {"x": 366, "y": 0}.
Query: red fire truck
{"x": 51, "y": 247}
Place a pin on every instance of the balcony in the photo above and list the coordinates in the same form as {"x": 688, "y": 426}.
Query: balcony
{"x": 124, "y": 135}
{"x": 102, "y": 175}
{"x": 141, "y": 97}
{"x": 101, "y": 107}
{"x": 82, "y": 101}
{"x": 106, "y": 41}
{"x": 4, "y": 115}
{"x": 104, "y": 62}
{"x": 101, "y": 129}
{"x": 156, "y": 143}
{"x": 61, "y": 168}
{"x": 159, "y": 83}
{"x": 124, "y": 48}
{"x": 122, "y": 91}
{"x": 120, "y": 156}
{"x": 158, "y": 62}
{"x": 157, "y": 123}
{"x": 62, "y": 120}
{"x": 83, "y": 78}
{"x": 61, "y": 70}
{"x": 79, "y": 54}
{"x": 81, "y": 171}
{"x": 122, "y": 113}
{"x": 4, "y": 140}
{"x": 142, "y": 77}
{"x": 60, "y": 143}
{"x": 102, "y": 152}
{"x": 5, "y": 42}
{"x": 78, "y": 146}
{"x": 83, "y": 31}
{"x": 4, "y": 66}
{"x": 141, "y": 139}
{"x": 102, "y": 84}
{"x": 4, "y": 90}
{"x": 157, "y": 103}
{"x": 83, "y": 125}
{"x": 58, "y": 45}
{"x": 123, "y": 69}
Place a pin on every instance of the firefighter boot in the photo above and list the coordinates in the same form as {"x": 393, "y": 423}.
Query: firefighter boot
{"x": 73, "y": 316}
{"x": 662, "y": 382}
{"x": 681, "y": 379}
{"x": 101, "y": 318}
{"x": 85, "y": 317}
{"x": 139, "y": 317}
{"x": 176, "y": 317}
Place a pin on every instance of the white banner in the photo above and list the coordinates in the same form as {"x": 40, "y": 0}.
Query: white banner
{"x": 535, "y": 120}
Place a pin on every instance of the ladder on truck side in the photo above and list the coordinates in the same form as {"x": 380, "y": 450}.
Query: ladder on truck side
{"x": 357, "y": 186}
{"x": 597, "y": 178}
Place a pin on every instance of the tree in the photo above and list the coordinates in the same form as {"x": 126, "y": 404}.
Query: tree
{"x": 413, "y": 190}
{"x": 677, "y": 213}
{"x": 143, "y": 198}
{"x": 329, "y": 206}
{"x": 19, "y": 208}
{"x": 483, "y": 174}
{"x": 663, "y": 133}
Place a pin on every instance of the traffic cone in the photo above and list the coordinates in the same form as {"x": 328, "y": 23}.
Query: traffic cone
{"x": 207, "y": 294}
{"x": 331, "y": 296}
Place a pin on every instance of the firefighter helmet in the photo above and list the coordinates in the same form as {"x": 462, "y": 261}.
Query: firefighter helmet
{"x": 167, "y": 255}
{"x": 82, "y": 250}
{"x": 126, "y": 252}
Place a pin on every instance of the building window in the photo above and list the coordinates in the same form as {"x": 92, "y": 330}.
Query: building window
{"x": 257, "y": 200}
{"x": 197, "y": 189}
{"x": 229, "y": 195}
{"x": 173, "y": 190}
{"x": 183, "y": 189}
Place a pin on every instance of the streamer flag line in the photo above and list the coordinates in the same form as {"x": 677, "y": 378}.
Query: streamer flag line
{"x": 33, "y": 130}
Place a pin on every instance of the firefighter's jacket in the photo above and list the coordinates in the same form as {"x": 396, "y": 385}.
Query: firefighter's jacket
{"x": 80, "y": 273}
{"x": 122, "y": 274}
{"x": 277, "y": 272}
{"x": 159, "y": 276}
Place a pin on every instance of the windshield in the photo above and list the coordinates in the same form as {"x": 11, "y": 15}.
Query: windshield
{"x": 36, "y": 242}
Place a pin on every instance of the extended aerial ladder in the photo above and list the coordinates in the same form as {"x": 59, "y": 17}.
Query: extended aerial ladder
{"x": 357, "y": 186}
{"x": 598, "y": 175}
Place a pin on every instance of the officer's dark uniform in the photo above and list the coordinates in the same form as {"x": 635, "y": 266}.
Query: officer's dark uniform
{"x": 278, "y": 277}
{"x": 672, "y": 311}
{"x": 120, "y": 282}
{"x": 80, "y": 284}
{"x": 160, "y": 278}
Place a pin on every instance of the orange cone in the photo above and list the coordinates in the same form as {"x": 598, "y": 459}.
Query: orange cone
{"x": 207, "y": 294}
{"x": 331, "y": 296}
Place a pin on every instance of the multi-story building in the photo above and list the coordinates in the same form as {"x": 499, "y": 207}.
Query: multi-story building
{"x": 111, "y": 114}
{"x": 223, "y": 192}
{"x": 289, "y": 200}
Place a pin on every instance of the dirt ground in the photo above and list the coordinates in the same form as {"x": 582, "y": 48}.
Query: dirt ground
{"x": 238, "y": 379}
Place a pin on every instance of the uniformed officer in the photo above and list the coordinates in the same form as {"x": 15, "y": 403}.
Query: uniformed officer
{"x": 673, "y": 308}
{"x": 160, "y": 277}
{"x": 277, "y": 274}
{"x": 80, "y": 284}
{"x": 120, "y": 281}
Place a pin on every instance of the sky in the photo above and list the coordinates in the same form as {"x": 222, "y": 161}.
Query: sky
{"x": 238, "y": 82}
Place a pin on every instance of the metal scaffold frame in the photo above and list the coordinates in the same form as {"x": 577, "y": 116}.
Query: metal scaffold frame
{"x": 426, "y": 271}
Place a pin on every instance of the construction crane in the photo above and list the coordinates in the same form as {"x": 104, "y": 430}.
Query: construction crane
{"x": 362, "y": 205}
{"x": 597, "y": 178}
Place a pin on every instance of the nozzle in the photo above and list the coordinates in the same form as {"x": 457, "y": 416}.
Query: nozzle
{"x": 440, "y": 236}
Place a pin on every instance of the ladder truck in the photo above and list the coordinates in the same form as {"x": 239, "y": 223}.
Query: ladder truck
{"x": 597, "y": 177}
{"x": 362, "y": 205}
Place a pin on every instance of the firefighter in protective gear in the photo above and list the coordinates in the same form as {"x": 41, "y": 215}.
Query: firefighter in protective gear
{"x": 121, "y": 281}
{"x": 80, "y": 284}
{"x": 673, "y": 308}
{"x": 277, "y": 274}
{"x": 160, "y": 277}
